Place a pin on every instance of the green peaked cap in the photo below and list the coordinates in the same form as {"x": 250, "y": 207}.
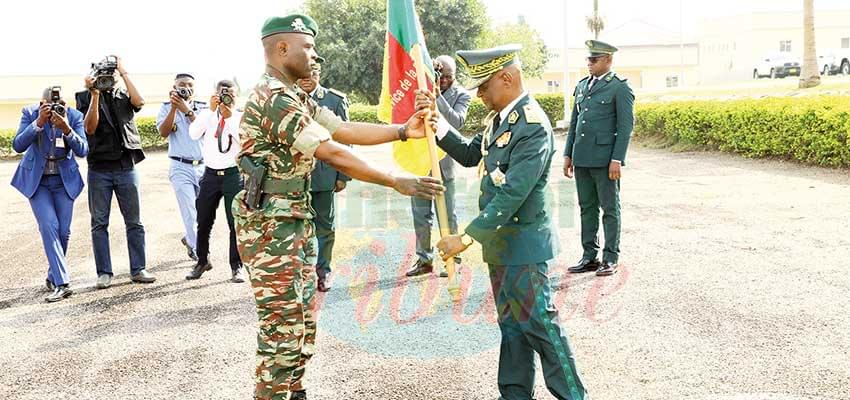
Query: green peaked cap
{"x": 598, "y": 48}
{"x": 481, "y": 64}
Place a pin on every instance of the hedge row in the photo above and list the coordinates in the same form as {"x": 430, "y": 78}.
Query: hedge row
{"x": 552, "y": 104}
{"x": 811, "y": 130}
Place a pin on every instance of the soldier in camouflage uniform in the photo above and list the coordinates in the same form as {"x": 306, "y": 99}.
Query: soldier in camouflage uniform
{"x": 283, "y": 132}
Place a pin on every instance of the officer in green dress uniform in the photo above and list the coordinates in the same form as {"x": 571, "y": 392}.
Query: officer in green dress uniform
{"x": 325, "y": 181}
{"x": 282, "y": 132}
{"x": 600, "y": 128}
{"x": 514, "y": 155}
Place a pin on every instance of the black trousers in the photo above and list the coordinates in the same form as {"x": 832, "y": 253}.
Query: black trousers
{"x": 215, "y": 184}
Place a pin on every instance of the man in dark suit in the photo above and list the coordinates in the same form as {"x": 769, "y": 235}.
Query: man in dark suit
{"x": 600, "y": 128}
{"x": 453, "y": 104}
{"x": 325, "y": 181}
{"x": 48, "y": 175}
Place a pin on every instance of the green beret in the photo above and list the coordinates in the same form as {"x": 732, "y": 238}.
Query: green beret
{"x": 293, "y": 23}
{"x": 596, "y": 48}
{"x": 481, "y": 64}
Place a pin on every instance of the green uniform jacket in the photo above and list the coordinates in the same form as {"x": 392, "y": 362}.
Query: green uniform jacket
{"x": 324, "y": 176}
{"x": 514, "y": 227}
{"x": 601, "y": 123}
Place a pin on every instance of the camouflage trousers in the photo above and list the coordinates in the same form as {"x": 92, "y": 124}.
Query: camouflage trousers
{"x": 280, "y": 256}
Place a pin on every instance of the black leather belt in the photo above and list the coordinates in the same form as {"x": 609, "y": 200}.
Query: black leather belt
{"x": 187, "y": 161}
{"x": 51, "y": 167}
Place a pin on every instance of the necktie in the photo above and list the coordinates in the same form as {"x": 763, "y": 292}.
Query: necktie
{"x": 220, "y": 127}
{"x": 592, "y": 82}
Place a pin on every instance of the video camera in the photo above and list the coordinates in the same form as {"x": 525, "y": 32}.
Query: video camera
{"x": 104, "y": 73}
{"x": 55, "y": 101}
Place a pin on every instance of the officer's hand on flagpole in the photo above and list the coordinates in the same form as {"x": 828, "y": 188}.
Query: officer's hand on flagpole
{"x": 425, "y": 99}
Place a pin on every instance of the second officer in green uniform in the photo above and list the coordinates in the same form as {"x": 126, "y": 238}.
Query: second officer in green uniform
{"x": 514, "y": 154}
{"x": 325, "y": 181}
{"x": 600, "y": 128}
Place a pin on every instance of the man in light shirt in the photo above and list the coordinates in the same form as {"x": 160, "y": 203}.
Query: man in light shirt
{"x": 219, "y": 128}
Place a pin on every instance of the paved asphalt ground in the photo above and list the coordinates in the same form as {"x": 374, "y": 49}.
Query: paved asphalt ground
{"x": 734, "y": 285}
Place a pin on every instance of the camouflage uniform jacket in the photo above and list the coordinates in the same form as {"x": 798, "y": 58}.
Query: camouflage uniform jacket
{"x": 281, "y": 128}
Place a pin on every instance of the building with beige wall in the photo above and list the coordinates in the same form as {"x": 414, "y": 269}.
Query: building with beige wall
{"x": 649, "y": 57}
{"x": 725, "y": 49}
{"x": 730, "y": 47}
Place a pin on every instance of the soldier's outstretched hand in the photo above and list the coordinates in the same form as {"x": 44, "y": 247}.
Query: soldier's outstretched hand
{"x": 425, "y": 187}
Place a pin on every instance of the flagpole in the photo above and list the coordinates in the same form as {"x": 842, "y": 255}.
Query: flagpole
{"x": 442, "y": 212}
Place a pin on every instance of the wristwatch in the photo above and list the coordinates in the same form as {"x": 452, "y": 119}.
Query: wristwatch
{"x": 467, "y": 240}
{"x": 190, "y": 114}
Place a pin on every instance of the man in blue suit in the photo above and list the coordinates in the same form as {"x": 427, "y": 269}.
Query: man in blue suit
{"x": 325, "y": 181}
{"x": 50, "y": 134}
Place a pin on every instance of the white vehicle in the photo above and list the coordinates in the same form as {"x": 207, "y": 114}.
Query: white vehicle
{"x": 835, "y": 61}
{"x": 777, "y": 65}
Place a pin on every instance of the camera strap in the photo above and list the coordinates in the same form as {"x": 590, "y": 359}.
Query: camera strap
{"x": 218, "y": 133}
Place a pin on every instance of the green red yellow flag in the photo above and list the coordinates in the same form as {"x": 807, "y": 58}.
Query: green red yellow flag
{"x": 404, "y": 47}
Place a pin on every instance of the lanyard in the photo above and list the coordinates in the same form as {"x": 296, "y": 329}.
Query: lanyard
{"x": 218, "y": 133}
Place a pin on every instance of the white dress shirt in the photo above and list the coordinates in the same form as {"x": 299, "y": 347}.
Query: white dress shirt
{"x": 206, "y": 125}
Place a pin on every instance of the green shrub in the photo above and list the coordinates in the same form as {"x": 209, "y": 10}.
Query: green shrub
{"x": 552, "y": 104}
{"x": 812, "y": 130}
{"x": 6, "y": 137}
{"x": 363, "y": 113}
{"x": 151, "y": 138}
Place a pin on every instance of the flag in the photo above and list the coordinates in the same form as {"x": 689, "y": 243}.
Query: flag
{"x": 404, "y": 46}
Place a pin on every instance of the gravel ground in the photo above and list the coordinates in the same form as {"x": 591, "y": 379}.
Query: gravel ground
{"x": 733, "y": 286}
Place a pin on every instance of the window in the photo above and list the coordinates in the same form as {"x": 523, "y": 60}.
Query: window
{"x": 845, "y": 43}
{"x": 553, "y": 86}
{"x": 672, "y": 81}
{"x": 785, "y": 46}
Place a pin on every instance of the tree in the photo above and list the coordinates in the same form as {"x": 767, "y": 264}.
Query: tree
{"x": 352, "y": 35}
{"x": 810, "y": 75}
{"x": 534, "y": 54}
{"x": 595, "y": 23}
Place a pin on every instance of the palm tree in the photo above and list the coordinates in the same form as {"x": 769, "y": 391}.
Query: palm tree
{"x": 810, "y": 75}
{"x": 595, "y": 22}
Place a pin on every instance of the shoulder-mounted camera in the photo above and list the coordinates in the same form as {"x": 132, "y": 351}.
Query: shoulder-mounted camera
{"x": 104, "y": 73}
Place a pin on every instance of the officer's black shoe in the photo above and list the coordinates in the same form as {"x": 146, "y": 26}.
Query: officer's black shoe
{"x": 420, "y": 268}
{"x": 585, "y": 265}
{"x": 199, "y": 270}
{"x": 607, "y": 269}
{"x": 59, "y": 293}
{"x": 189, "y": 250}
{"x": 299, "y": 395}
{"x": 322, "y": 284}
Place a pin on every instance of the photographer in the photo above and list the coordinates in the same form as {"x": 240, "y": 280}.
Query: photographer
{"x": 186, "y": 168}
{"x": 51, "y": 134}
{"x": 219, "y": 127}
{"x": 115, "y": 149}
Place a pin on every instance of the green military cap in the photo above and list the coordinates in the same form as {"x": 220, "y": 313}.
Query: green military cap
{"x": 597, "y": 48}
{"x": 480, "y": 65}
{"x": 293, "y": 23}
